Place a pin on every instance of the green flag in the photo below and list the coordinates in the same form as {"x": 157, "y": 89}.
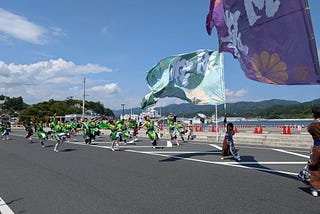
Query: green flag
{"x": 196, "y": 77}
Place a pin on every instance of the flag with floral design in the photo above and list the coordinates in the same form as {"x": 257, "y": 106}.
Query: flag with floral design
{"x": 272, "y": 39}
{"x": 196, "y": 77}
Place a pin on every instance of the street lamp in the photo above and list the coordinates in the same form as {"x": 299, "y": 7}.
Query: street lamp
{"x": 123, "y": 109}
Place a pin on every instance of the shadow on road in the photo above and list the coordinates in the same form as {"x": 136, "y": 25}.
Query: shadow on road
{"x": 244, "y": 160}
{"x": 68, "y": 150}
{"x": 262, "y": 168}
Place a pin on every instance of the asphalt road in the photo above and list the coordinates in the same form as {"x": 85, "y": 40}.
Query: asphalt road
{"x": 137, "y": 178}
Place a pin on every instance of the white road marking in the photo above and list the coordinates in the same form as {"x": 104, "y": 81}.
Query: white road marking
{"x": 291, "y": 153}
{"x": 233, "y": 164}
{"x": 183, "y": 152}
{"x": 120, "y": 147}
{"x": 216, "y": 146}
{"x": 4, "y": 208}
{"x": 268, "y": 163}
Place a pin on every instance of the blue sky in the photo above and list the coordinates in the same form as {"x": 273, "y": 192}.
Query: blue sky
{"x": 48, "y": 47}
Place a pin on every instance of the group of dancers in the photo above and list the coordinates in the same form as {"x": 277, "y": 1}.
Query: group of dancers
{"x": 120, "y": 130}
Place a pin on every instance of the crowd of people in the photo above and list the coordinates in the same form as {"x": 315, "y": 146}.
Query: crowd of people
{"x": 120, "y": 130}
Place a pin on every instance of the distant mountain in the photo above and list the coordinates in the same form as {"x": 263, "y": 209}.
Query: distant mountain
{"x": 266, "y": 109}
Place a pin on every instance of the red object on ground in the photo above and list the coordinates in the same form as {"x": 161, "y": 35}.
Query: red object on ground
{"x": 256, "y": 130}
{"x": 284, "y": 130}
{"x": 212, "y": 129}
{"x": 260, "y": 130}
{"x": 288, "y": 130}
{"x": 236, "y": 129}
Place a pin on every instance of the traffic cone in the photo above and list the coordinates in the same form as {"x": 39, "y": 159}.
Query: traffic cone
{"x": 288, "y": 130}
{"x": 256, "y": 130}
{"x": 212, "y": 129}
{"x": 260, "y": 130}
{"x": 284, "y": 130}
{"x": 236, "y": 129}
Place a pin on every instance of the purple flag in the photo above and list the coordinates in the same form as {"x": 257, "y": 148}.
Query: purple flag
{"x": 272, "y": 39}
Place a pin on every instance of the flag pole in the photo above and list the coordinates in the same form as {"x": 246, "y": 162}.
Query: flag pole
{"x": 217, "y": 131}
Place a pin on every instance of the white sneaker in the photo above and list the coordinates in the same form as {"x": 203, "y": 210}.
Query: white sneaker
{"x": 222, "y": 158}
{"x": 314, "y": 192}
{"x": 56, "y": 150}
{"x": 112, "y": 149}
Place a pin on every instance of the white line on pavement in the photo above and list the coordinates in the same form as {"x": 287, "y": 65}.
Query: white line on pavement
{"x": 291, "y": 153}
{"x": 216, "y": 146}
{"x": 4, "y": 208}
{"x": 183, "y": 152}
{"x": 268, "y": 163}
{"x": 233, "y": 164}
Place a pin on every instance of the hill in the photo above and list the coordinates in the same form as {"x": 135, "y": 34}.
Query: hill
{"x": 269, "y": 109}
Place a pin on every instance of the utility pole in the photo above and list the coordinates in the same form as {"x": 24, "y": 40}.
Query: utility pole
{"x": 123, "y": 110}
{"x": 84, "y": 96}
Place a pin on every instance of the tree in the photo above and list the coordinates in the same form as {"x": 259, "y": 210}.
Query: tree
{"x": 42, "y": 111}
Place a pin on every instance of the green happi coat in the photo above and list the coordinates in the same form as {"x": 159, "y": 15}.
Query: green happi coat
{"x": 86, "y": 130}
{"x": 57, "y": 129}
{"x": 40, "y": 132}
{"x": 152, "y": 134}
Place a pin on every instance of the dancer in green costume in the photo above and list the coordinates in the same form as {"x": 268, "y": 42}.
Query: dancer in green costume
{"x": 173, "y": 131}
{"x": 87, "y": 134}
{"x": 152, "y": 134}
{"x": 28, "y": 128}
{"x": 5, "y": 129}
{"x": 94, "y": 128}
{"x": 42, "y": 135}
{"x": 59, "y": 134}
{"x": 115, "y": 133}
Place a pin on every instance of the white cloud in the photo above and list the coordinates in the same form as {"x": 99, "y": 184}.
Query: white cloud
{"x": 240, "y": 93}
{"x": 232, "y": 96}
{"x": 56, "y": 31}
{"x": 107, "y": 89}
{"x": 54, "y": 79}
{"x": 19, "y": 27}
